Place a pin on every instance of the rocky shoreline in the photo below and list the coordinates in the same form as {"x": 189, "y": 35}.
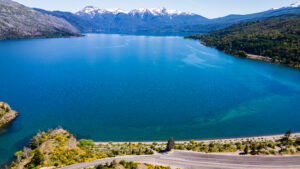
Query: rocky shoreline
{"x": 7, "y": 115}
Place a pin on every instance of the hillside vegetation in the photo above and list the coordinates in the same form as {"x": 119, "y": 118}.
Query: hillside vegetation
{"x": 57, "y": 148}
{"x": 6, "y": 114}
{"x": 129, "y": 165}
{"x": 277, "y": 38}
{"x": 288, "y": 144}
{"x": 223, "y": 22}
{"x": 18, "y": 21}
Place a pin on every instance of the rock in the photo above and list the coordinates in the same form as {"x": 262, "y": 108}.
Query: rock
{"x": 120, "y": 167}
{"x": 6, "y": 114}
{"x": 52, "y": 167}
{"x": 142, "y": 166}
{"x": 4, "y": 106}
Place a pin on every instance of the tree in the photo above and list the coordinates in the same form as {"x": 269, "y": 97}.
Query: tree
{"x": 35, "y": 143}
{"x": 253, "y": 148}
{"x": 19, "y": 155}
{"x": 38, "y": 157}
{"x": 246, "y": 149}
{"x": 286, "y": 138}
{"x": 288, "y": 134}
{"x": 27, "y": 152}
{"x": 170, "y": 144}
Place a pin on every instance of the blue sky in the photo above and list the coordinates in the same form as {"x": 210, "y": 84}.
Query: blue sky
{"x": 207, "y": 8}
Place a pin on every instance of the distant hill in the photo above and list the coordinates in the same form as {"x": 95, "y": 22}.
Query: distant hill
{"x": 276, "y": 37}
{"x": 222, "y": 22}
{"x": 18, "y": 21}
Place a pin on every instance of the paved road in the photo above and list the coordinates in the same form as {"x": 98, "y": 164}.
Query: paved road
{"x": 192, "y": 160}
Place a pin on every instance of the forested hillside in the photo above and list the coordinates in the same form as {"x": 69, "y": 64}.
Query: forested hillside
{"x": 277, "y": 38}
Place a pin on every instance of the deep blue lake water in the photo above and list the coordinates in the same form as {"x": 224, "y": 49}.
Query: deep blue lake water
{"x": 114, "y": 87}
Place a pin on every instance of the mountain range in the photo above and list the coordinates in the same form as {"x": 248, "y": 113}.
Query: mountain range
{"x": 157, "y": 20}
{"x": 18, "y": 21}
{"x": 120, "y": 21}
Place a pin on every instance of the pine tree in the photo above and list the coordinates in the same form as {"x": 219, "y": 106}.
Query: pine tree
{"x": 246, "y": 149}
{"x": 170, "y": 144}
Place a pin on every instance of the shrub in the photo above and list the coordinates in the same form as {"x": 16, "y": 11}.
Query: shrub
{"x": 192, "y": 141}
{"x": 85, "y": 143}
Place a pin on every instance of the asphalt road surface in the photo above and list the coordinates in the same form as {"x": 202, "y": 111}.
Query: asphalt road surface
{"x": 194, "y": 160}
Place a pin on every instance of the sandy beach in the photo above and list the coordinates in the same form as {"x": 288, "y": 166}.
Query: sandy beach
{"x": 236, "y": 139}
{"x": 257, "y": 57}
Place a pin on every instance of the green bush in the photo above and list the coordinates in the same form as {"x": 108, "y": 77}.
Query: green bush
{"x": 85, "y": 143}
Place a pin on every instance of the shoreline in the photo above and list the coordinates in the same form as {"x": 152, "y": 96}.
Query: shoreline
{"x": 249, "y": 56}
{"x": 258, "y": 57}
{"x": 265, "y": 137}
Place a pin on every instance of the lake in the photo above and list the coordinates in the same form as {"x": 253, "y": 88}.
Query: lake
{"x": 132, "y": 88}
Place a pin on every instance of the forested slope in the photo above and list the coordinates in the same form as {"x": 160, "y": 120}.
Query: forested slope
{"x": 277, "y": 38}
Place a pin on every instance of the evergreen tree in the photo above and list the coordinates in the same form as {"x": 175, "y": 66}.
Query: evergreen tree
{"x": 246, "y": 149}
{"x": 38, "y": 157}
{"x": 285, "y": 139}
{"x": 288, "y": 134}
{"x": 170, "y": 144}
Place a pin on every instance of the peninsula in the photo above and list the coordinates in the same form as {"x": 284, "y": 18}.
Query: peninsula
{"x": 7, "y": 115}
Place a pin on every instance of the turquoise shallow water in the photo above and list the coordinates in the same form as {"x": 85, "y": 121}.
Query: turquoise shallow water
{"x": 113, "y": 87}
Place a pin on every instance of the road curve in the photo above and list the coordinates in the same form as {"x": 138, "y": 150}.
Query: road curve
{"x": 193, "y": 160}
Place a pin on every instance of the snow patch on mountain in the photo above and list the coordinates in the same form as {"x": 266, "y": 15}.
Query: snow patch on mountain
{"x": 158, "y": 11}
{"x": 295, "y": 5}
{"x": 92, "y": 11}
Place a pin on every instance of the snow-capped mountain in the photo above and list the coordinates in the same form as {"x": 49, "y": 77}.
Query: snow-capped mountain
{"x": 92, "y": 11}
{"x": 158, "y": 20}
{"x": 158, "y": 12}
{"x": 294, "y": 5}
{"x": 142, "y": 19}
